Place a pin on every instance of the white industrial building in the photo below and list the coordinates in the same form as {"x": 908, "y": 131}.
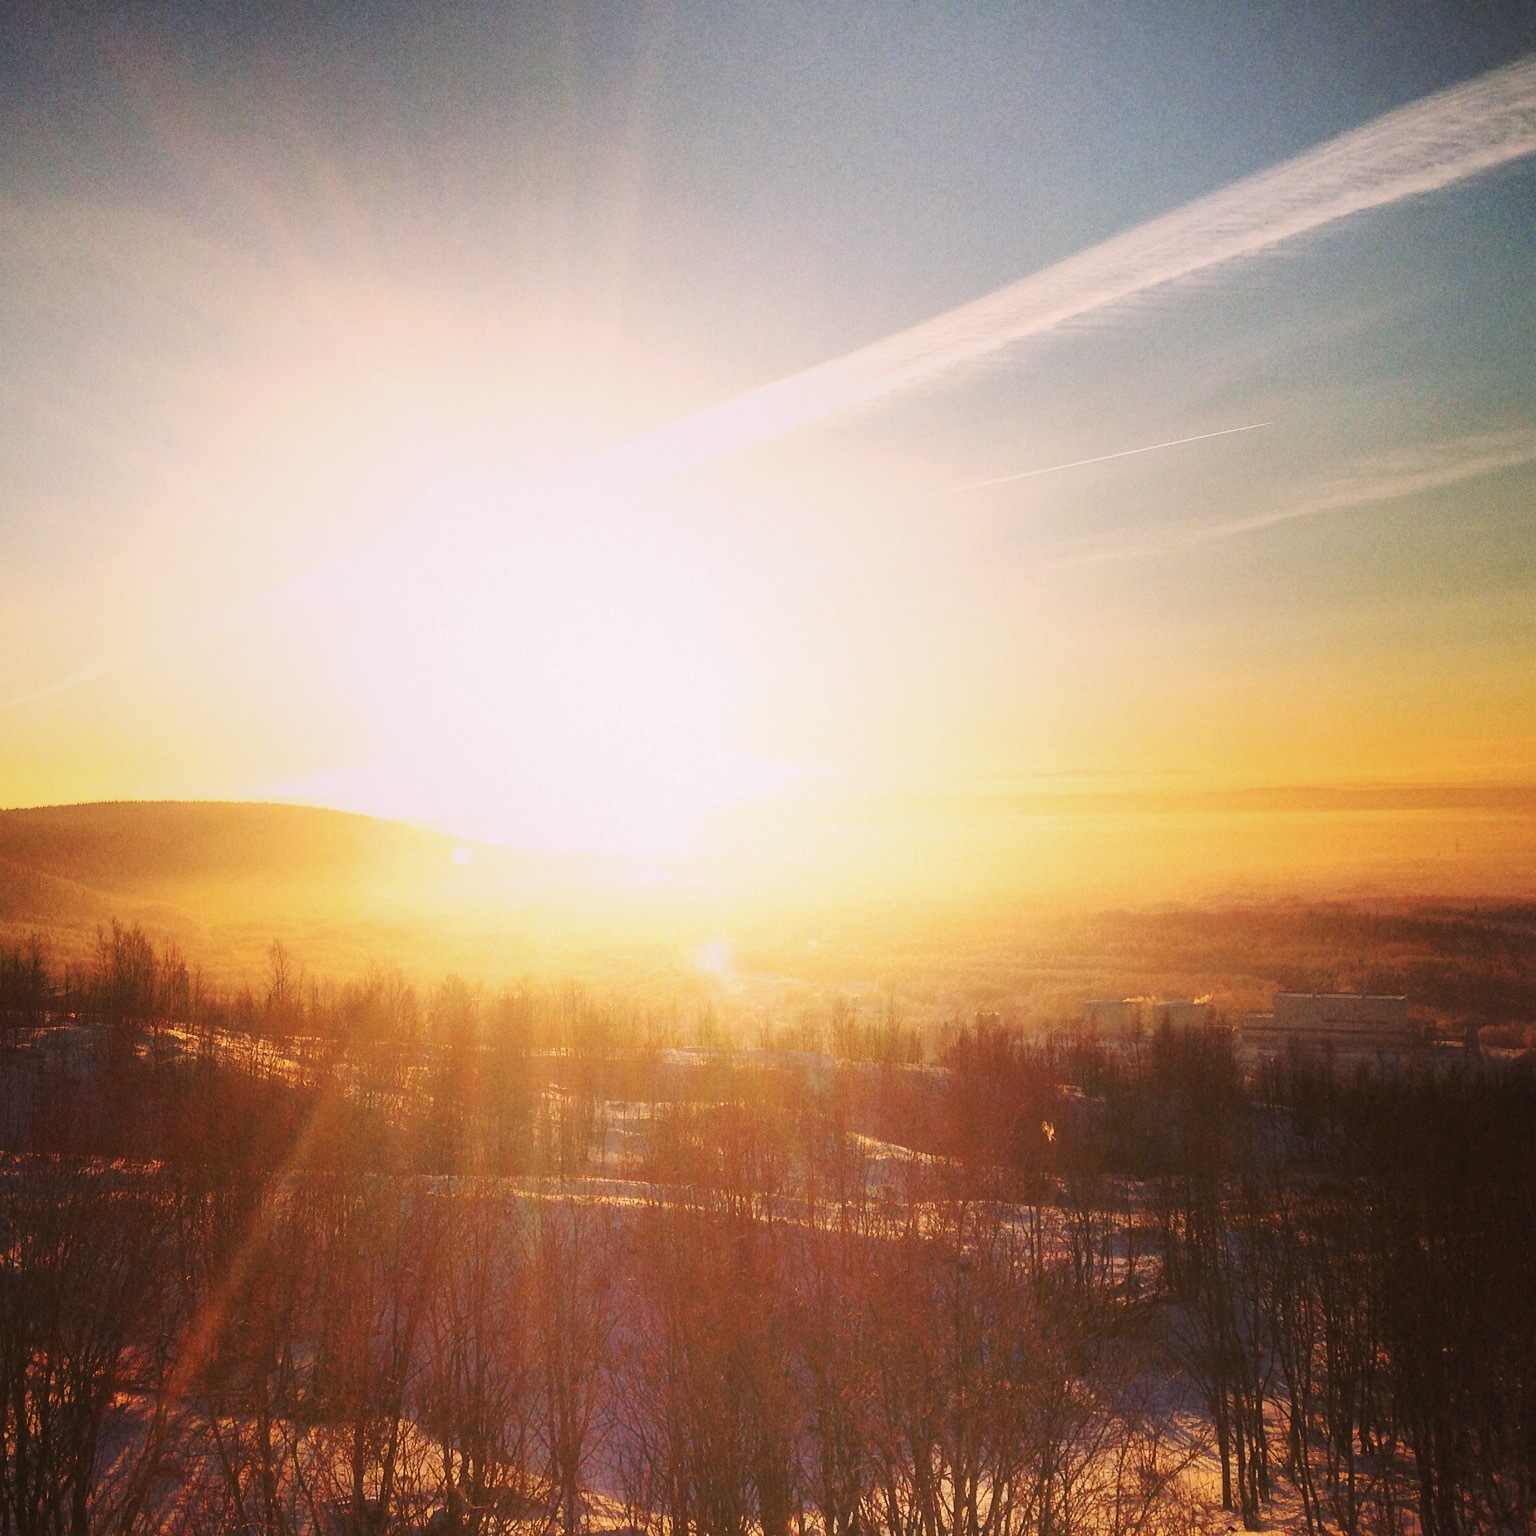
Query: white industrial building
{"x": 1180, "y": 1012}
{"x": 1128, "y": 1015}
{"x": 1113, "y": 1015}
{"x": 1340, "y": 1021}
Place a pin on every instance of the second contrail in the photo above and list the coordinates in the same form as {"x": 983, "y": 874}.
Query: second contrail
{"x": 1101, "y": 458}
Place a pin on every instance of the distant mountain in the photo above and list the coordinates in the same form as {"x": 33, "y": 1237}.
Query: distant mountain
{"x": 149, "y": 848}
{"x": 222, "y": 877}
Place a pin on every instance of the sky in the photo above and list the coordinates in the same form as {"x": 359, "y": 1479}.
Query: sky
{"x": 563, "y": 424}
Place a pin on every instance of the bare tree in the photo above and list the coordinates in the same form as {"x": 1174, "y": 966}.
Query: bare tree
{"x": 476, "y": 1391}
{"x": 377, "y": 1267}
{"x": 573, "y": 1319}
{"x": 81, "y": 1378}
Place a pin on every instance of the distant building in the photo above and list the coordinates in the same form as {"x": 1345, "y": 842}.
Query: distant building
{"x": 1181, "y": 1012}
{"x": 1341, "y": 1021}
{"x": 1127, "y": 1015}
{"x": 1113, "y": 1015}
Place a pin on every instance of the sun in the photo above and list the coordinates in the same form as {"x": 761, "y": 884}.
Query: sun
{"x": 555, "y": 677}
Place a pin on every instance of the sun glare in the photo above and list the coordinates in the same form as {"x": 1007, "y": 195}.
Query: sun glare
{"x": 555, "y": 680}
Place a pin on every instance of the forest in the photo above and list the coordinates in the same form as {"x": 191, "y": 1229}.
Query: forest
{"x": 364, "y": 1257}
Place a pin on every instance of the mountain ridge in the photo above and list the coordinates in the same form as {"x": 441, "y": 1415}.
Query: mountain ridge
{"x": 226, "y": 875}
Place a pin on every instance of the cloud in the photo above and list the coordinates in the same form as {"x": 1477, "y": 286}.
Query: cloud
{"x": 1416, "y": 149}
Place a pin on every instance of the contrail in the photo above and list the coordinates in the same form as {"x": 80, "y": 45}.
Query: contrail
{"x": 1432, "y": 467}
{"x": 1101, "y": 458}
{"x": 1416, "y": 149}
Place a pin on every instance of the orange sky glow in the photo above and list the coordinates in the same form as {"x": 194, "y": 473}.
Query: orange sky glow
{"x": 861, "y": 582}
